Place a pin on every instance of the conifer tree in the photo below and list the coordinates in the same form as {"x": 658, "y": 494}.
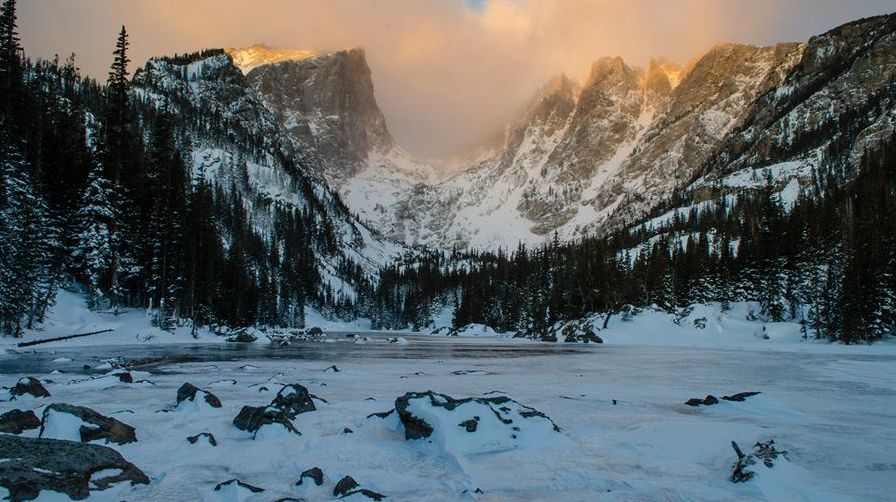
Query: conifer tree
{"x": 10, "y": 57}
{"x": 94, "y": 251}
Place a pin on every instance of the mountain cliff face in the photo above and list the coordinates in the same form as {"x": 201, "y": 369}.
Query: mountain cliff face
{"x": 594, "y": 158}
{"x": 811, "y": 128}
{"x": 326, "y": 102}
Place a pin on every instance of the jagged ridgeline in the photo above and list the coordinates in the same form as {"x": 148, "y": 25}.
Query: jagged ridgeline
{"x": 173, "y": 190}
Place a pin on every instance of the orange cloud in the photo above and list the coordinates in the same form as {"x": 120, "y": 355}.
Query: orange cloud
{"x": 445, "y": 74}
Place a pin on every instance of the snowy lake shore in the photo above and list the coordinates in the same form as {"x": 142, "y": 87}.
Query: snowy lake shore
{"x": 625, "y": 433}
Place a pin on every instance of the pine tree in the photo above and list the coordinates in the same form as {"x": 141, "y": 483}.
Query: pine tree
{"x": 10, "y": 57}
{"x": 118, "y": 153}
{"x": 95, "y": 248}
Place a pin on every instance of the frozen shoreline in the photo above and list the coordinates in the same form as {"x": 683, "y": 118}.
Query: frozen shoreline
{"x": 831, "y": 411}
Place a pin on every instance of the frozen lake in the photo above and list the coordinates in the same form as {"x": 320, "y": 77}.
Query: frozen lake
{"x": 625, "y": 433}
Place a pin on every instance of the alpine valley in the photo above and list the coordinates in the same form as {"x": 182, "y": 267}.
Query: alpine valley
{"x": 244, "y": 186}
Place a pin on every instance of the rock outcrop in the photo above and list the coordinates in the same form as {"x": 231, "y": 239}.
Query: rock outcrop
{"x": 33, "y": 465}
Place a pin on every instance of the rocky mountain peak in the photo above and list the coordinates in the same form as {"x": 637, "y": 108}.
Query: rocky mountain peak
{"x": 610, "y": 71}
{"x": 327, "y": 104}
{"x": 253, "y": 56}
{"x": 659, "y": 80}
{"x": 552, "y": 105}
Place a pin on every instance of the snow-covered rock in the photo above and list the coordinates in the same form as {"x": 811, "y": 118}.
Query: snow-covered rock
{"x": 473, "y": 425}
{"x": 28, "y": 386}
{"x": 78, "y": 423}
{"x": 190, "y": 397}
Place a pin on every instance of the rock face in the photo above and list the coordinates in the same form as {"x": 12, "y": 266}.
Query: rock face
{"x": 326, "y": 102}
{"x": 65, "y": 420}
{"x": 18, "y": 421}
{"x": 28, "y": 386}
{"x": 68, "y": 467}
{"x": 189, "y": 393}
{"x": 473, "y": 425}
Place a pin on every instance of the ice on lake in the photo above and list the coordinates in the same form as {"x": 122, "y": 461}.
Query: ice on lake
{"x": 625, "y": 432}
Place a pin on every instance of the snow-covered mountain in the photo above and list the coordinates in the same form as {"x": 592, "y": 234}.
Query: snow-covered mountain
{"x": 243, "y": 151}
{"x": 582, "y": 159}
{"x": 832, "y": 99}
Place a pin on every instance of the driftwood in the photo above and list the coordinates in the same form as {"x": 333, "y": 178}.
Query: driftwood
{"x": 61, "y": 338}
{"x": 763, "y": 452}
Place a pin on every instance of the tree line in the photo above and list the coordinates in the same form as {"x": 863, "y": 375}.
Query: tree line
{"x": 829, "y": 262}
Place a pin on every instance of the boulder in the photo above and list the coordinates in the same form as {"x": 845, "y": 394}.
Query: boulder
{"x": 189, "y": 392}
{"x": 315, "y": 331}
{"x": 253, "y": 418}
{"x": 236, "y": 486}
{"x": 66, "y": 421}
{"x": 207, "y": 435}
{"x": 242, "y": 336}
{"x": 18, "y": 421}
{"x": 68, "y": 467}
{"x": 292, "y": 400}
{"x": 332, "y": 369}
{"x": 707, "y": 401}
{"x": 458, "y": 424}
{"x": 30, "y": 386}
{"x": 344, "y": 486}
{"x": 315, "y": 474}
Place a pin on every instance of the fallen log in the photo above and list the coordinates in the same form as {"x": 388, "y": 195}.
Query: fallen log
{"x": 61, "y": 338}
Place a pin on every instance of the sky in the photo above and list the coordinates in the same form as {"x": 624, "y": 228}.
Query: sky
{"x": 447, "y": 73}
